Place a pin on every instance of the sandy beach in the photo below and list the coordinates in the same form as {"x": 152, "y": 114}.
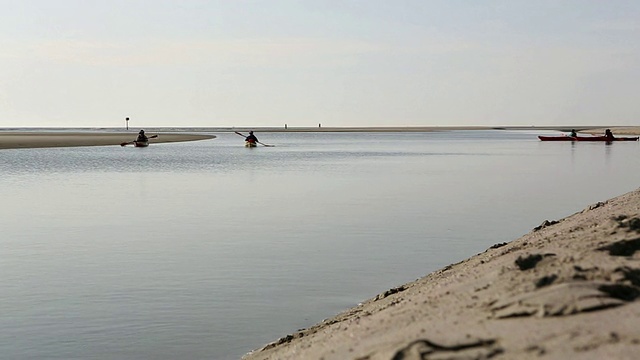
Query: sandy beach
{"x": 566, "y": 290}
{"x": 14, "y": 140}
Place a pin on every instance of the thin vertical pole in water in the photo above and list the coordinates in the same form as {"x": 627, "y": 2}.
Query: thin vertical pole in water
{"x": 127, "y": 119}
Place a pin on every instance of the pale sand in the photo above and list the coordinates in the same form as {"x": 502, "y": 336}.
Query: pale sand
{"x": 568, "y": 290}
{"x": 13, "y": 140}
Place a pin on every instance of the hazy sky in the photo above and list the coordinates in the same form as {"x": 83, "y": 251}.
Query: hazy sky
{"x": 87, "y": 63}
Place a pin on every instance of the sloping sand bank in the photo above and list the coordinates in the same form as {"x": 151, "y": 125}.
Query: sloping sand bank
{"x": 567, "y": 290}
{"x": 13, "y": 140}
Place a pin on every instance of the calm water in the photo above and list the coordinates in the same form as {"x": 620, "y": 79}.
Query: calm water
{"x": 207, "y": 250}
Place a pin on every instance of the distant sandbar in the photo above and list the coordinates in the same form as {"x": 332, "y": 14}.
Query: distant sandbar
{"x": 15, "y": 140}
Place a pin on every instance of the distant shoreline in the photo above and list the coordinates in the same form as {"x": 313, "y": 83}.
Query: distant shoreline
{"x": 198, "y": 129}
{"x": 622, "y": 130}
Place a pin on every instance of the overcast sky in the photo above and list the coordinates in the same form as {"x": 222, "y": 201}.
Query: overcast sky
{"x": 84, "y": 63}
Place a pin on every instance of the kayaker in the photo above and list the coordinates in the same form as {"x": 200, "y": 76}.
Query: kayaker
{"x": 608, "y": 134}
{"x": 573, "y": 133}
{"x": 252, "y": 139}
{"x": 142, "y": 137}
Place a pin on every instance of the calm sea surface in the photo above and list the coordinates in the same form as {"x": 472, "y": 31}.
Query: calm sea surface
{"x": 207, "y": 250}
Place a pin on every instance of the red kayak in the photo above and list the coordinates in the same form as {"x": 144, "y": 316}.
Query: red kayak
{"x": 585, "y": 138}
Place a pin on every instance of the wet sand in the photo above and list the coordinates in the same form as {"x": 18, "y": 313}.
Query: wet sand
{"x": 14, "y": 140}
{"x": 569, "y": 289}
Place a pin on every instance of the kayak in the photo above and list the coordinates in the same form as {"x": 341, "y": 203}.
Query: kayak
{"x": 585, "y": 138}
{"x": 137, "y": 143}
{"x": 250, "y": 144}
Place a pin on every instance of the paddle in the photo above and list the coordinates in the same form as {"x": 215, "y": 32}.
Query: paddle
{"x": 133, "y": 142}
{"x": 256, "y": 141}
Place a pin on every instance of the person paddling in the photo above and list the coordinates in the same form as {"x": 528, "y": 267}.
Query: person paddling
{"x": 608, "y": 134}
{"x": 251, "y": 139}
{"x": 573, "y": 133}
{"x": 142, "y": 137}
